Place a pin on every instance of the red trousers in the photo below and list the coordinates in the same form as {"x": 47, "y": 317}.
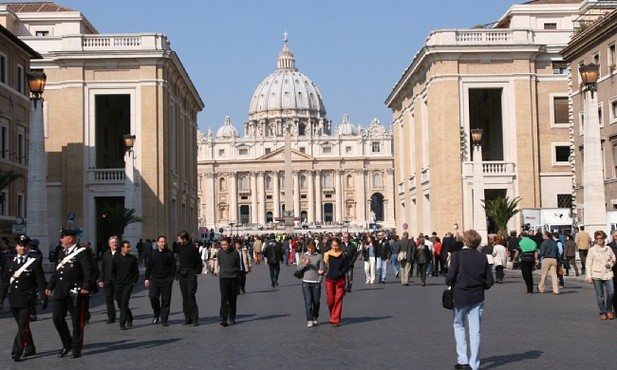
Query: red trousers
{"x": 335, "y": 290}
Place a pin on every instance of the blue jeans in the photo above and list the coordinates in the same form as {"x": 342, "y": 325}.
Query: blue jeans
{"x": 381, "y": 268}
{"x": 473, "y": 314}
{"x": 312, "y": 294}
{"x": 396, "y": 265}
{"x": 605, "y": 303}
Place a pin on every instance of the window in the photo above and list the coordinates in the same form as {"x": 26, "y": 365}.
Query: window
{"x": 560, "y": 68}
{"x": 561, "y": 154}
{"x": 3, "y": 68}
{"x": 376, "y": 147}
{"x": 611, "y": 56}
{"x": 41, "y": 33}
{"x": 614, "y": 111}
{"x": 377, "y": 180}
{"x": 326, "y": 150}
{"x": 302, "y": 149}
{"x": 327, "y": 181}
{"x": 596, "y": 59}
{"x": 244, "y": 183}
{"x": 268, "y": 183}
{"x": 349, "y": 181}
{"x": 564, "y": 200}
{"x": 243, "y": 151}
{"x": 615, "y": 158}
{"x": 4, "y": 205}
{"x": 303, "y": 182}
{"x": 560, "y": 110}
{"x": 347, "y": 150}
{"x": 21, "y": 155}
{"x": 601, "y": 115}
{"x": 4, "y": 142}
{"x": 550, "y": 26}
{"x": 21, "y": 79}
{"x": 268, "y": 150}
{"x": 222, "y": 184}
{"x": 20, "y": 205}
{"x": 221, "y": 152}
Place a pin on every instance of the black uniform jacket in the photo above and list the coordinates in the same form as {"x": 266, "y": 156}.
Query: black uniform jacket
{"x": 22, "y": 291}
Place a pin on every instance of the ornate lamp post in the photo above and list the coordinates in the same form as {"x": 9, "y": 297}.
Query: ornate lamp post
{"x": 594, "y": 212}
{"x": 130, "y": 191}
{"x": 479, "y": 214}
{"x": 36, "y": 207}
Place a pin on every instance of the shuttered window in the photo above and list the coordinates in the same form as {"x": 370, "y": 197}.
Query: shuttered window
{"x": 560, "y": 110}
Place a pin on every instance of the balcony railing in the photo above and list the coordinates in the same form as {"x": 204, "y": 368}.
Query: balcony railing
{"x": 106, "y": 176}
{"x": 491, "y": 168}
{"x": 493, "y": 36}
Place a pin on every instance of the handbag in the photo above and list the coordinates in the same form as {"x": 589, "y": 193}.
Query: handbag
{"x": 299, "y": 273}
{"x": 402, "y": 255}
{"x": 446, "y": 299}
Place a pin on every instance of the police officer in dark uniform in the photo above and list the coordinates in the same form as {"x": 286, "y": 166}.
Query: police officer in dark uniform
{"x": 22, "y": 276}
{"x": 189, "y": 268}
{"x": 69, "y": 282}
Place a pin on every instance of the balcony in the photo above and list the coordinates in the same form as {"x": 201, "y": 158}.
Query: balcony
{"x": 106, "y": 176}
{"x": 99, "y": 42}
{"x": 494, "y": 36}
{"x": 493, "y": 171}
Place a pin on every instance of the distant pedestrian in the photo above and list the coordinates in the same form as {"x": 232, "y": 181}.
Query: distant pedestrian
{"x": 159, "y": 278}
{"x": 273, "y": 252}
{"x": 527, "y": 257}
{"x": 246, "y": 265}
{"x": 549, "y": 255}
{"x": 469, "y": 276}
{"x": 125, "y": 272}
{"x": 107, "y": 279}
{"x": 312, "y": 264}
{"x": 188, "y": 269}
{"x": 500, "y": 258}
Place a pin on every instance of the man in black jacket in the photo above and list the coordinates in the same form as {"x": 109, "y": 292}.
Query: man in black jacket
{"x": 69, "y": 283}
{"x": 229, "y": 267}
{"x": 20, "y": 279}
{"x": 125, "y": 272}
{"x": 159, "y": 278}
{"x": 408, "y": 247}
{"x": 351, "y": 253}
{"x": 107, "y": 281}
{"x": 382, "y": 254}
{"x": 189, "y": 268}
{"x": 274, "y": 253}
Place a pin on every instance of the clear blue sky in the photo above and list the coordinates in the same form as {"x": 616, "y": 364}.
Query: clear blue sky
{"x": 353, "y": 50}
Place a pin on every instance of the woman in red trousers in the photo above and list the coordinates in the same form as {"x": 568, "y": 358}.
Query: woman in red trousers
{"x": 336, "y": 264}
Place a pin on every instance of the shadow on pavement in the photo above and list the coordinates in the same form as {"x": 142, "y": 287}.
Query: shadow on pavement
{"x": 260, "y": 318}
{"x": 497, "y": 361}
{"x": 358, "y": 320}
{"x": 103, "y": 347}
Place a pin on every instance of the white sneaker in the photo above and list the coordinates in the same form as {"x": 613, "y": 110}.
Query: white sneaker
{"x": 310, "y": 324}
{"x": 314, "y": 322}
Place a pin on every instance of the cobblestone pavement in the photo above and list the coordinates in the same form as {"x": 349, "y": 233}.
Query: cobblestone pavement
{"x": 383, "y": 327}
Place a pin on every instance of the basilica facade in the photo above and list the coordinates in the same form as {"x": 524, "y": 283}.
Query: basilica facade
{"x": 341, "y": 174}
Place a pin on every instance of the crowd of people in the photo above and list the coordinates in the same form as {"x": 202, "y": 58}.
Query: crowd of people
{"x": 332, "y": 257}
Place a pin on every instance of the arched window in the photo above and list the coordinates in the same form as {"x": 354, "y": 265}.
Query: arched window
{"x": 222, "y": 184}
{"x": 377, "y": 180}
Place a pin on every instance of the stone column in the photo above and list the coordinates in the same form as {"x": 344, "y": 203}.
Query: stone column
{"x": 211, "y": 191}
{"x": 233, "y": 197}
{"x": 296, "y": 193}
{"x": 389, "y": 186}
{"x": 318, "y": 205}
{"x": 261, "y": 198}
{"x": 362, "y": 213}
{"x": 338, "y": 195}
{"x": 254, "y": 196}
{"x": 276, "y": 194}
{"x": 311, "y": 195}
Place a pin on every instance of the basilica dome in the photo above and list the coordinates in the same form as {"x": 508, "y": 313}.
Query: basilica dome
{"x": 346, "y": 127}
{"x": 286, "y": 92}
{"x": 227, "y": 131}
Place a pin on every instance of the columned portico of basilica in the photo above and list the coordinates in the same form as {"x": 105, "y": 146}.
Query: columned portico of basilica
{"x": 339, "y": 176}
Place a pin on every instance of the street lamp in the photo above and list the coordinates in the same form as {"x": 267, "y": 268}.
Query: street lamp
{"x": 131, "y": 201}
{"x": 479, "y": 213}
{"x": 36, "y": 207}
{"x": 129, "y": 142}
{"x": 593, "y": 178}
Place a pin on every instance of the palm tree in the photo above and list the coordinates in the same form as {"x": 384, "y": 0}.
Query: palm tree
{"x": 501, "y": 210}
{"x": 114, "y": 219}
{"x": 6, "y": 178}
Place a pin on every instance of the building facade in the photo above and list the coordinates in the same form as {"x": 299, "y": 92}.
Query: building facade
{"x": 101, "y": 87}
{"x": 508, "y": 80}
{"x": 340, "y": 175}
{"x": 594, "y": 43}
{"x": 15, "y": 58}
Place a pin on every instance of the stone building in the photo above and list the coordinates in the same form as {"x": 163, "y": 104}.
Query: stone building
{"x": 15, "y": 58}
{"x": 594, "y": 43}
{"x": 101, "y": 87}
{"x": 341, "y": 175}
{"x": 508, "y": 80}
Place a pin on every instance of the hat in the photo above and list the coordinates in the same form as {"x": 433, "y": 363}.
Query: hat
{"x": 65, "y": 232}
{"x": 34, "y": 243}
{"x": 22, "y": 240}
